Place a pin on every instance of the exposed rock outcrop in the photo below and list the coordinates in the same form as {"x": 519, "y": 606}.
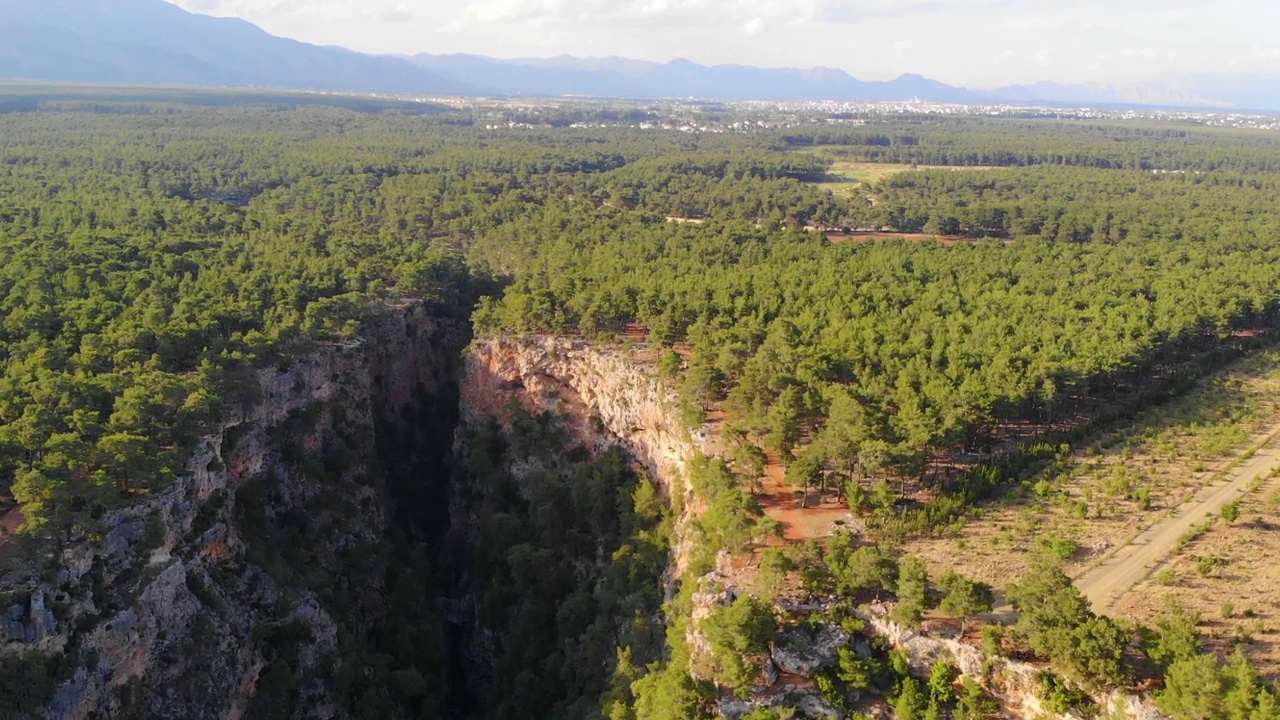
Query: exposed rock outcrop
{"x": 605, "y": 396}
{"x": 1011, "y": 681}
{"x": 175, "y": 609}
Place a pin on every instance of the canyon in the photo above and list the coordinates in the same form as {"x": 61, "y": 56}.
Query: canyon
{"x": 323, "y": 514}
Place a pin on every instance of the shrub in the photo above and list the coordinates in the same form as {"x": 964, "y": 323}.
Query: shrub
{"x": 27, "y": 682}
{"x": 942, "y": 682}
{"x": 1060, "y": 547}
{"x": 740, "y": 635}
{"x": 911, "y": 702}
{"x": 993, "y": 641}
{"x": 1059, "y": 696}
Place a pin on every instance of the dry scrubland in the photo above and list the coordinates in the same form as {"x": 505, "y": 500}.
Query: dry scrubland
{"x": 1229, "y": 577}
{"x": 1103, "y": 494}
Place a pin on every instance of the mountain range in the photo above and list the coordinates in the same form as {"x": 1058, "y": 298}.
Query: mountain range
{"x": 155, "y": 42}
{"x": 152, "y": 41}
{"x": 619, "y": 77}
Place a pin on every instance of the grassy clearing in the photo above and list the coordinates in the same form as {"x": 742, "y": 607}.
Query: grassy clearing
{"x": 1123, "y": 481}
{"x": 846, "y": 176}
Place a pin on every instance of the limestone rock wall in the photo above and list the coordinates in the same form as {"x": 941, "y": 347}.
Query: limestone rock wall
{"x": 603, "y": 393}
{"x": 164, "y": 613}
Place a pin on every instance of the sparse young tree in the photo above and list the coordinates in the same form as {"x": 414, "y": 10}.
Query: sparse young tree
{"x": 964, "y": 598}
{"x": 740, "y": 636}
{"x": 912, "y": 591}
{"x": 775, "y": 566}
{"x": 911, "y": 703}
{"x": 805, "y": 472}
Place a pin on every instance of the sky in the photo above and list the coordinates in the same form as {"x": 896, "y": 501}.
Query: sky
{"x": 974, "y": 43}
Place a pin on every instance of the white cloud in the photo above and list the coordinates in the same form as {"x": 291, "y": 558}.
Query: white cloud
{"x": 978, "y": 43}
{"x": 206, "y": 7}
{"x": 398, "y": 14}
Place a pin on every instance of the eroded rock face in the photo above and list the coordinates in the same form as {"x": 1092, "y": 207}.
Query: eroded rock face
{"x": 1012, "y": 682}
{"x": 800, "y": 654}
{"x": 604, "y": 394}
{"x": 169, "y": 612}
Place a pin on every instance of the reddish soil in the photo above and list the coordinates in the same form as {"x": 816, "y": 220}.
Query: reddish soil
{"x": 11, "y": 517}
{"x": 948, "y": 240}
{"x": 635, "y": 333}
{"x": 803, "y": 517}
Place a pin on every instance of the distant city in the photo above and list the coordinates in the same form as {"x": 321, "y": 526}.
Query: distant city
{"x": 747, "y": 116}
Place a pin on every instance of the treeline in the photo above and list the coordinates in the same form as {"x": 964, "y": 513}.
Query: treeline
{"x": 883, "y": 352}
{"x": 1077, "y": 205}
{"x": 1014, "y": 143}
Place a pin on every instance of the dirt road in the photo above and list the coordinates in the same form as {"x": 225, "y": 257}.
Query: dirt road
{"x": 1131, "y": 563}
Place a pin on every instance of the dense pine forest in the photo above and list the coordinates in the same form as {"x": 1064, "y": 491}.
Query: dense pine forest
{"x": 155, "y": 255}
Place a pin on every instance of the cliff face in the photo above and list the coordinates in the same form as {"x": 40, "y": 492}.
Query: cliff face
{"x": 589, "y": 402}
{"x": 602, "y": 393}
{"x": 186, "y": 599}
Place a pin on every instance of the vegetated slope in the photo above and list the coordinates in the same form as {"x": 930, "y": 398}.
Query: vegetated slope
{"x": 152, "y": 41}
{"x": 1109, "y": 485}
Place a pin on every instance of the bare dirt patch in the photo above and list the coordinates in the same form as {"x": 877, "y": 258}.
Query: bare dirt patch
{"x": 811, "y": 515}
{"x": 846, "y": 177}
{"x": 869, "y": 236}
{"x": 11, "y": 517}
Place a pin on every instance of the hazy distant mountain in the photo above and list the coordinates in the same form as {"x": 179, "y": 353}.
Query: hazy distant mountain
{"x": 151, "y": 41}
{"x": 619, "y": 77}
{"x": 1244, "y": 92}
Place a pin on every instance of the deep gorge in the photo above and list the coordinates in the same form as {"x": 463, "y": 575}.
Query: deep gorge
{"x": 418, "y": 524}
{"x": 321, "y": 557}
{"x": 279, "y": 574}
